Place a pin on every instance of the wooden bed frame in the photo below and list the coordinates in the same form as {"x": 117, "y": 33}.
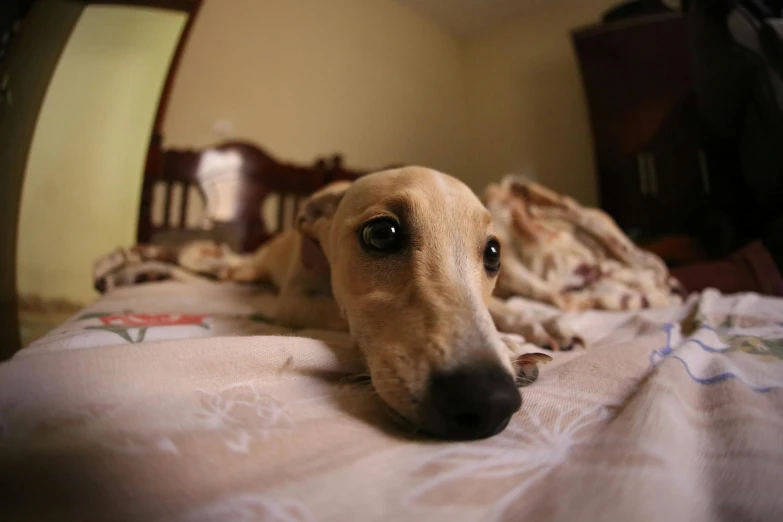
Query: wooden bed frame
{"x": 256, "y": 178}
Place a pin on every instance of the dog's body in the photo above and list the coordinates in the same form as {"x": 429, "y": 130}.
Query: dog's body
{"x": 406, "y": 261}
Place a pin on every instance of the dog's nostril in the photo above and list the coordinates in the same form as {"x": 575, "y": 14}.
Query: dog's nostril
{"x": 473, "y": 402}
{"x": 468, "y": 420}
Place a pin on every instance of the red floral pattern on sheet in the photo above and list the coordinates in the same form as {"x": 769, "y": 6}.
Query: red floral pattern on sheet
{"x": 147, "y": 320}
{"x": 123, "y": 324}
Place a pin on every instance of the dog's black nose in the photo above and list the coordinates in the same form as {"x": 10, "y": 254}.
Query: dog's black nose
{"x": 472, "y": 402}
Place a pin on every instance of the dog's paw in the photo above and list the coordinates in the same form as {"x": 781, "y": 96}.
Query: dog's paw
{"x": 207, "y": 258}
{"x": 549, "y": 333}
{"x": 239, "y": 273}
{"x": 524, "y": 361}
{"x": 225, "y": 273}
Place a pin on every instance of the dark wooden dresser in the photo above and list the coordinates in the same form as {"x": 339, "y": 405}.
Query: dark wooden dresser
{"x": 653, "y": 173}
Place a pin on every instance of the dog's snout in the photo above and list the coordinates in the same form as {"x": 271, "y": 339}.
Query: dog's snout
{"x": 472, "y": 403}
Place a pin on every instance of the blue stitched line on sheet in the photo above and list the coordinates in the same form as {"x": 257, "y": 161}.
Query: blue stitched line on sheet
{"x": 667, "y": 351}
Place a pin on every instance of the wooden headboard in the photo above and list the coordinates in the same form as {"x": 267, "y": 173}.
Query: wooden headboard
{"x": 233, "y": 192}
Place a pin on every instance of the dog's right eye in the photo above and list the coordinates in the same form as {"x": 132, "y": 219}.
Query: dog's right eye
{"x": 383, "y": 235}
{"x": 492, "y": 256}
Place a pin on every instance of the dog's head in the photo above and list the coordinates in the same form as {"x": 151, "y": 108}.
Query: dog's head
{"x": 413, "y": 261}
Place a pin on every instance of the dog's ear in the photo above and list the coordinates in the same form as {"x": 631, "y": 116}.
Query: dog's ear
{"x": 312, "y": 256}
{"x": 319, "y": 208}
{"x": 313, "y": 223}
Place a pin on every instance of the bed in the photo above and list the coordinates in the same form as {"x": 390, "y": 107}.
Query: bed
{"x": 174, "y": 400}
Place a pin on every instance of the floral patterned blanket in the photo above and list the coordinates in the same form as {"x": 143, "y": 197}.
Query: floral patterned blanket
{"x": 172, "y": 402}
{"x": 573, "y": 257}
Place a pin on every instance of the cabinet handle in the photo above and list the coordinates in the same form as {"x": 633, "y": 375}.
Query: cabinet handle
{"x": 653, "y": 175}
{"x": 642, "y": 164}
{"x": 5, "y": 89}
{"x": 705, "y": 172}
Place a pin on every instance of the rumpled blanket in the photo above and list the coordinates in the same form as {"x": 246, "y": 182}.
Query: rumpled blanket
{"x": 573, "y": 257}
{"x": 193, "y": 261}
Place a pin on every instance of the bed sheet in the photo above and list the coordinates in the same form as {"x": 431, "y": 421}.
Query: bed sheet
{"x": 671, "y": 414}
{"x": 166, "y": 310}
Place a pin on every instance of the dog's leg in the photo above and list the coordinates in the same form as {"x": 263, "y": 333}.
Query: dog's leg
{"x": 516, "y": 279}
{"x": 301, "y": 309}
{"x": 271, "y": 263}
{"x": 549, "y": 333}
{"x": 245, "y": 270}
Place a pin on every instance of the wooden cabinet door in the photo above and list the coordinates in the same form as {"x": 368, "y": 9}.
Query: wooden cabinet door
{"x": 624, "y": 195}
{"x": 679, "y": 186}
{"x": 636, "y": 74}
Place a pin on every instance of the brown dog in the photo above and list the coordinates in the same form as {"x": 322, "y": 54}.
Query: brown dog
{"x": 406, "y": 260}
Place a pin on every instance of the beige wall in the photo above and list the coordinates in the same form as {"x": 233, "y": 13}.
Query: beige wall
{"x": 527, "y": 112}
{"x": 377, "y": 82}
{"x": 367, "y": 78}
{"x": 83, "y": 179}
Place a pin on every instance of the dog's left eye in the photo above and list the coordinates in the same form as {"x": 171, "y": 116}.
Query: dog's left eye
{"x": 492, "y": 256}
{"x": 382, "y": 235}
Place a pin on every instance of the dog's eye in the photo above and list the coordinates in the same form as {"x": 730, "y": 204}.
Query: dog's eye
{"x": 382, "y": 235}
{"x": 492, "y": 256}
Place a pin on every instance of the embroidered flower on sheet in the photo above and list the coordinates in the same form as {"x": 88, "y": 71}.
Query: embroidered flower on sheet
{"x": 242, "y": 413}
{"x": 249, "y": 507}
{"x": 137, "y": 320}
{"x": 500, "y": 469}
{"x": 135, "y": 327}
